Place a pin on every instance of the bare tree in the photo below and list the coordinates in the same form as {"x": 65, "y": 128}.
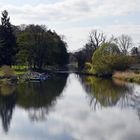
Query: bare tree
{"x": 96, "y": 39}
{"x": 124, "y": 43}
{"x": 113, "y": 40}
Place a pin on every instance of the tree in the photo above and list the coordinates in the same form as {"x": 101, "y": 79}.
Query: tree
{"x": 41, "y": 47}
{"x": 124, "y": 43}
{"x": 7, "y": 49}
{"x": 105, "y": 92}
{"x": 32, "y": 46}
{"x": 7, "y": 105}
{"x": 84, "y": 55}
{"x": 135, "y": 51}
{"x": 81, "y": 59}
{"x": 107, "y": 59}
{"x": 96, "y": 39}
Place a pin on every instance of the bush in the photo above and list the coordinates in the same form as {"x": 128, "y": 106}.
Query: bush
{"x": 108, "y": 59}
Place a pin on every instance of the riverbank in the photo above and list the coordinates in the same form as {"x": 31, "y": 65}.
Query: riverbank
{"x": 129, "y": 76}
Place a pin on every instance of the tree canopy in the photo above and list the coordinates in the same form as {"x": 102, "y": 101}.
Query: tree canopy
{"x": 38, "y": 47}
{"x": 32, "y": 45}
{"x": 7, "y": 40}
{"x": 108, "y": 58}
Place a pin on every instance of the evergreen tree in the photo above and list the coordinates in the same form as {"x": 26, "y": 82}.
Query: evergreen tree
{"x": 7, "y": 47}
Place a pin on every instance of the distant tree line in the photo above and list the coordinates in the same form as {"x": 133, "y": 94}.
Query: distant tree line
{"x": 106, "y": 55}
{"x": 32, "y": 45}
{"x": 84, "y": 55}
{"x": 38, "y": 47}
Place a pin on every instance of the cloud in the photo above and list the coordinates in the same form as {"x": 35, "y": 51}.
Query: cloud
{"x": 71, "y": 10}
{"x": 77, "y": 37}
{"x": 69, "y": 17}
{"x": 73, "y": 119}
{"x": 132, "y": 30}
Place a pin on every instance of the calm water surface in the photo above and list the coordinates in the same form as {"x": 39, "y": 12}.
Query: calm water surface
{"x": 70, "y": 107}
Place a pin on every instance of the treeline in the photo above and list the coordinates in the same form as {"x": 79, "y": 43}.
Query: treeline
{"x": 32, "y": 45}
{"x": 37, "y": 47}
{"x": 103, "y": 56}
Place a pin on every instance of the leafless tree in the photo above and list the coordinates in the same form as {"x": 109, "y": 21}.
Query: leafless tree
{"x": 124, "y": 43}
{"x": 96, "y": 39}
{"x": 113, "y": 40}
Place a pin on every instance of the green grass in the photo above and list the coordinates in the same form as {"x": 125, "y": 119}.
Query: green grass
{"x": 18, "y": 70}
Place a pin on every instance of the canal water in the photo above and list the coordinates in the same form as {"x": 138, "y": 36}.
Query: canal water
{"x": 70, "y": 107}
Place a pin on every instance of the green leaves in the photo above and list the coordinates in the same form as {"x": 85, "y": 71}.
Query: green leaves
{"x": 108, "y": 59}
{"x": 42, "y": 47}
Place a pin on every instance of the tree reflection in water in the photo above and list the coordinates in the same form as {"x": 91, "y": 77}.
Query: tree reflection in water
{"x": 107, "y": 92}
{"x": 39, "y": 97}
{"x": 111, "y": 92}
{"x": 7, "y": 104}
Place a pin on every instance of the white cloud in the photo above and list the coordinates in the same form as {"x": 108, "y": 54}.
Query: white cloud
{"x": 78, "y": 36}
{"x": 67, "y": 11}
{"x": 74, "y": 120}
{"x": 73, "y": 9}
{"x": 132, "y": 30}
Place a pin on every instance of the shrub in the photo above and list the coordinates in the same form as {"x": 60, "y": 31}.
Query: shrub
{"x": 108, "y": 59}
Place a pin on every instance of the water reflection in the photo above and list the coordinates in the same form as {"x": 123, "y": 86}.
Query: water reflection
{"x": 39, "y": 97}
{"x": 58, "y": 110}
{"x": 7, "y": 88}
{"x": 107, "y": 92}
{"x": 7, "y": 104}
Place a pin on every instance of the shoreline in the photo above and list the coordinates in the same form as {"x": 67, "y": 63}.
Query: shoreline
{"x": 128, "y": 76}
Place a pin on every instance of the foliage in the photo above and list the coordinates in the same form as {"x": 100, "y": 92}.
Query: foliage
{"x": 6, "y": 89}
{"x": 7, "y": 40}
{"x": 135, "y": 51}
{"x": 7, "y": 104}
{"x": 95, "y": 40}
{"x": 120, "y": 45}
{"x": 108, "y": 59}
{"x": 35, "y": 96}
{"x": 80, "y": 58}
{"x": 31, "y": 45}
{"x": 39, "y": 47}
{"x": 104, "y": 92}
{"x": 90, "y": 67}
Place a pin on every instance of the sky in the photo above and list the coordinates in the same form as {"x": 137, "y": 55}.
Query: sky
{"x": 76, "y": 18}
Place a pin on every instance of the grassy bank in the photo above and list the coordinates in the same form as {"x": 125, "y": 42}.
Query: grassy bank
{"x": 20, "y": 70}
{"x": 129, "y": 76}
{"x": 14, "y": 70}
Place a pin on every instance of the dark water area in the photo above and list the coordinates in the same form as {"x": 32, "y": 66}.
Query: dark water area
{"x": 70, "y": 107}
